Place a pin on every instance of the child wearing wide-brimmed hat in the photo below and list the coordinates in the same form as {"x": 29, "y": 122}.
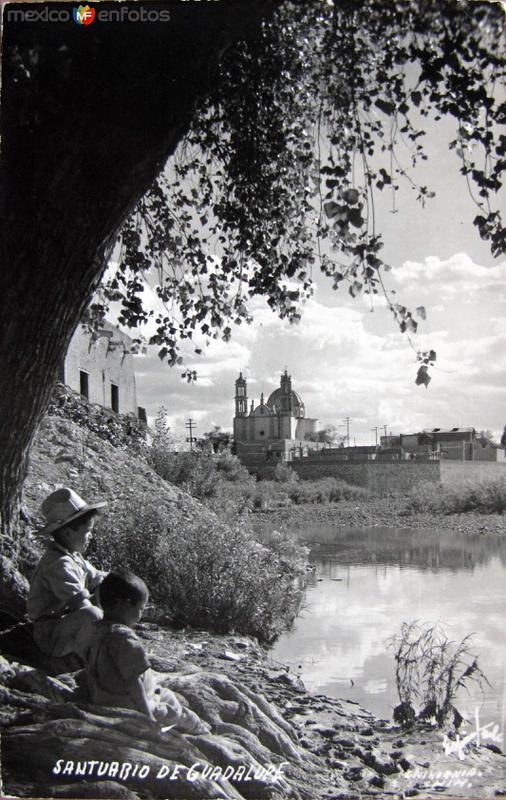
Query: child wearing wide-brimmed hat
{"x": 60, "y": 600}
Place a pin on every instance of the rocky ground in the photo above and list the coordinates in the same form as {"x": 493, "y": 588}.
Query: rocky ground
{"x": 278, "y": 739}
{"x": 390, "y": 512}
{"x": 264, "y": 725}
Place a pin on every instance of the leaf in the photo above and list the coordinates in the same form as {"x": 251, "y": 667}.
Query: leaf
{"x": 355, "y": 288}
{"x": 331, "y": 209}
{"x": 355, "y": 217}
{"x": 385, "y": 105}
{"x": 421, "y": 312}
{"x": 351, "y": 196}
{"x": 422, "y": 376}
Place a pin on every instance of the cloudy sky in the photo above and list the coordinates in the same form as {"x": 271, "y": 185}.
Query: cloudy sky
{"x": 347, "y": 360}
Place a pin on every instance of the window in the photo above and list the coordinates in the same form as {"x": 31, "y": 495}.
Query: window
{"x": 240, "y": 391}
{"x": 84, "y": 384}
{"x": 115, "y": 397}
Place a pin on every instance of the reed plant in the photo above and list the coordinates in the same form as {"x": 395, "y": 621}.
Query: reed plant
{"x": 430, "y": 669}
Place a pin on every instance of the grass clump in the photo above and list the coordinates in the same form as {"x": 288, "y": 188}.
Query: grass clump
{"x": 429, "y": 671}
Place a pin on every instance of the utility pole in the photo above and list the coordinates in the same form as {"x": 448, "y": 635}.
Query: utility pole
{"x": 376, "y": 432}
{"x": 347, "y": 421}
{"x": 191, "y": 438}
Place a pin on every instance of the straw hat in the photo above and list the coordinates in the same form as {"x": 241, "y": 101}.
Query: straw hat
{"x": 64, "y": 506}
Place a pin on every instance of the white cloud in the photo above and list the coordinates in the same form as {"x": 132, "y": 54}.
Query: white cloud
{"x": 455, "y": 276}
{"x": 345, "y": 361}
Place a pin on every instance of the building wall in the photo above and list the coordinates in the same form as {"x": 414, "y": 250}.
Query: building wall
{"x": 105, "y": 362}
{"x": 259, "y": 429}
{"x": 382, "y": 478}
{"x": 304, "y": 426}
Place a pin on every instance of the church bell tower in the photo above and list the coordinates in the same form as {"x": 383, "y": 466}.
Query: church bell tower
{"x": 286, "y": 393}
{"x": 241, "y": 397}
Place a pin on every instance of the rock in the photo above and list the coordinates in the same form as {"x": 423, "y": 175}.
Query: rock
{"x": 380, "y": 763}
{"x": 93, "y": 789}
{"x": 230, "y": 656}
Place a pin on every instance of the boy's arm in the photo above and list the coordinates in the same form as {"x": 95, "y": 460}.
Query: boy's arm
{"x": 68, "y": 584}
{"x": 137, "y": 693}
{"x": 94, "y": 576}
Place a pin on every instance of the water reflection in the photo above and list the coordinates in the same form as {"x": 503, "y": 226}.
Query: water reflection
{"x": 405, "y": 548}
{"x": 368, "y": 582}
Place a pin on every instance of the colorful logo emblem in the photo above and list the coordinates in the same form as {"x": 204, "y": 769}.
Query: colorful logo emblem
{"x": 84, "y": 15}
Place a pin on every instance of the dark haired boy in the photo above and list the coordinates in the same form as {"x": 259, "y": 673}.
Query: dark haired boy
{"x": 60, "y": 601}
{"x": 118, "y": 670}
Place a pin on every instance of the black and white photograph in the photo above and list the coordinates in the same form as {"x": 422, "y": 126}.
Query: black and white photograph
{"x": 253, "y": 400}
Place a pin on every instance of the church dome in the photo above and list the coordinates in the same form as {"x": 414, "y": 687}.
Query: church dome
{"x": 262, "y": 410}
{"x": 274, "y": 402}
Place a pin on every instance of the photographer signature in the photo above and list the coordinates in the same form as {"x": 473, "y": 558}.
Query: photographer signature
{"x": 490, "y": 732}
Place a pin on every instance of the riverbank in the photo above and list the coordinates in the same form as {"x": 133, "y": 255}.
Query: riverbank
{"x": 262, "y": 717}
{"x": 380, "y": 512}
{"x": 263, "y": 720}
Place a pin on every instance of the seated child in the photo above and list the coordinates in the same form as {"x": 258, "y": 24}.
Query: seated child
{"x": 60, "y": 602}
{"x": 118, "y": 671}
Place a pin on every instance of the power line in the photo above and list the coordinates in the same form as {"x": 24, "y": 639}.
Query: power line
{"x": 347, "y": 421}
{"x": 190, "y": 424}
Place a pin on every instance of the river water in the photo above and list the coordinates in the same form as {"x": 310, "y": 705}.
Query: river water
{"x": 367, "y": 582}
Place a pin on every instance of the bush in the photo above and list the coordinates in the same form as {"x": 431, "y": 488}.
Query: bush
{"x": 202, "y": 573}
{"x": 205, "y": 475}
{"x": 274, "y": 494}
{"x": 429, "y": 671}
{"x": 194, "y": 472}
{"x": 121, "y": 430}
{"x": 283, "y": 473}
{"x": 487, "y": 497}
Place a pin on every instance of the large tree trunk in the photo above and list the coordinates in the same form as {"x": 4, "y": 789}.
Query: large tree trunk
{"x": 89, "y": 116}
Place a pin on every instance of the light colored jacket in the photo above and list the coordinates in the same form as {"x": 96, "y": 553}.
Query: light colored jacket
{"x": 62, "y": 582}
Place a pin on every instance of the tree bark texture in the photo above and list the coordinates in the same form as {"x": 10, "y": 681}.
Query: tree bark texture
{"x": 89, "y": 116}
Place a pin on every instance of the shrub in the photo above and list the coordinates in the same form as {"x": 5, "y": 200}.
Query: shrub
{"x": 283, "y": 473}
{"x": 231, "y": 469}
{"x": 205, "y": 475}
{"x": 487, "y": 497}
{"x": 324, "y": 490}
{"x": 121, "y": 430}
{"x": 193, "y": 472}
{"x": 202, "y": 572}
{"x": 429, "y": 671}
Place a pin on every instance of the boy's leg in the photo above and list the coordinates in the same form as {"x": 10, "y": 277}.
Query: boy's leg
{"x": 168, "y": 710}
{"x": 70, "y": 634}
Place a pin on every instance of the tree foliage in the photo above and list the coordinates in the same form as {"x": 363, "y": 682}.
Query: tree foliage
{"x": 328, "y": 435}
{"x": 281, "y": 171}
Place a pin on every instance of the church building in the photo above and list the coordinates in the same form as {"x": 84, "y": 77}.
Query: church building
{"x": 273, "y": 430}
